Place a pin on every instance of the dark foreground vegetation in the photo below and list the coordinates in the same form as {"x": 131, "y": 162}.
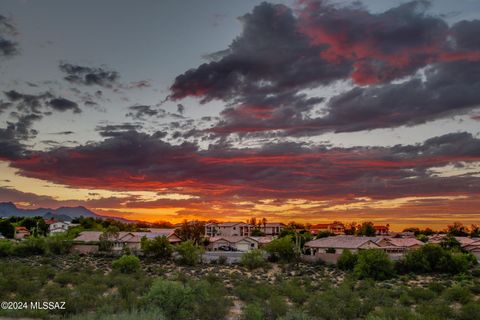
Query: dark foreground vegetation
{"x": 133, "y": 288}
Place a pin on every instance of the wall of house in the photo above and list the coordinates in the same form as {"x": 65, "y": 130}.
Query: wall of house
{"x": 84, "y": 248}
{"x": 328, "y": 258}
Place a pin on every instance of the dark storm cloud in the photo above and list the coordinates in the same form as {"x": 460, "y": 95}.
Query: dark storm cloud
{"x": 465, "y": 35}
{"x": 280, "y": 53}
{"x": 8, "y": 46}
{"x": 23, "y": 126}
{"x": 139, "y": 112}
{"x": 383, "y": 46}
{"x": 62, "y": 104}
{"x": 10, "y": 146}
{"x": 113, "y": 130}
{"x": 269, "y": 57}
{"x": 63, "y": 133}
{"x": 33, "y": 103}
{"x": 89, "y": 75}
{"x": 28, "y": 102}
{"x": 180, "y": 108}
{"x": 449, "y": 89}
{"x": 129, "y": 160}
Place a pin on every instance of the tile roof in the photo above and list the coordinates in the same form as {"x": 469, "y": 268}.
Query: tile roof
{"x": 404, "y": 242}
{"x": 124, "y": 236}
{"x": 341, "y": 242}
{"x": 231, "y": 224}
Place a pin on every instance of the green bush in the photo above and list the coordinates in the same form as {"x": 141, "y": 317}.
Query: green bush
{"x": 374, "y": 264}
{"x": 253, "y": 311}
{"x": 294, "y": 290}
{"x": 433, "y": 258}
{"x": 189, "y": 300}
{"x": 58, "y": 244}
{"x": 470, "y": 311}
{"x": 172, "y": 297}
{"x": 189, "y": 253}
{"x": 253, "y": 259}
{"x": 158, "y": 247}
{"x": 126, "y": 264}
{"x": 277, "y": 307}
{"x": 335, "y": 303}
{"x": 347, "y": 260}
{"x": 30, "y": 246}
{"x": 457, "y": 294}
{"x": 282, "y": 249}
{"x": 150, "y": 314}
{"x": 295, "y": 315}
{"x": 7, "y": 229}
{"x": 6, "y": 248}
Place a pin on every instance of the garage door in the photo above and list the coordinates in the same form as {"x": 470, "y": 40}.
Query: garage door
{"x": 242, "y": 246}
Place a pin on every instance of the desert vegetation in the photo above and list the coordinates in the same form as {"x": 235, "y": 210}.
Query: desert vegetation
{"x": 128, "y": 287}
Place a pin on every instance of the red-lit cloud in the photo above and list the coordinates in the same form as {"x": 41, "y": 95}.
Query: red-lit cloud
{"x": 135, "y": 161}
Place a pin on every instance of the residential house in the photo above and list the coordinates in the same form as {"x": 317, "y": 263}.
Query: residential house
{"x": 338, "y": 244}
{"x": 397, "y": 247}
{"x": 21, "y": 233}
{"x": 473, "y": 247}
{"x": 228, "y": 229}
{"x": 407, "y": 243}
{"x": 57, "y": 226}
{"x": 271, "y": 228}
{"x": 237, "y": 243}
{"x": 262, "y": 241}
{"x": 88, "y": 241}
{"x": 212, "y": 229}
{"x": 170, "y": 234}
{"x": 335, "y": 227}
{"x": 438, "y": 238}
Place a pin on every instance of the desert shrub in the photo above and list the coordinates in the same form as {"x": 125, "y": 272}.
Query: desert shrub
{"x": 470, "y": 311}
{"x": 150, "y": 314}
{"x": 190, "y": 300}
{"x": 249, "y": 291}
{"x": 375, "y": 264}
{"x": 457, "y": 293}
{"x": 347, "y": 260}
{"x": 391, "y": 313}
{"x": 434, "y": 258}
{"x": 335, "y": 303}
{"x": 30, "y": 246}
{"x": 126, "y": 264}
{"x": 211, "y": 302}
{"x": 7, "y": 229}
{"x": 277, "y": 307}
{"x": 294, "y": 291}
{"x": 222, "y": 260}
{"x": 253, "y": 311}
{"x": 420, "y": 294}
{"x": 189, "y": 253}
{"x": 158, "y": 247}
{"x": 282, "y": 249}
{"x": 58, "y": 244}
{"x": 295, "y": 315}
{"x": 6, "y": 248}
{"x": 253, "y": 259}
{"x": 436, "y": 309}
{"x": 436, "y": 287}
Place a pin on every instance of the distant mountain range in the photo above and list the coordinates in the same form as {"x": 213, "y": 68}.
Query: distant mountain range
{"x": 9, "y": 209}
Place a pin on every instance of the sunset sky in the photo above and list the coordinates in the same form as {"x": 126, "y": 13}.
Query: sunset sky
{"x": 291, "y": 110}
